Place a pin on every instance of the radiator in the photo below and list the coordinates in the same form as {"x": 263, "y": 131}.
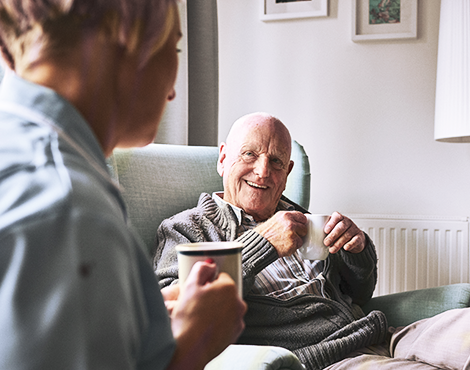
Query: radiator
{"x": 417, "y": 252}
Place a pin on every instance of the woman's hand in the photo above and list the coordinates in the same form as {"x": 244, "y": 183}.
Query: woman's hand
{"x": 206, "y": 318}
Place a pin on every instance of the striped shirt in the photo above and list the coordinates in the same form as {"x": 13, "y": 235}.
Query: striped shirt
{"x": 287, "y": 276}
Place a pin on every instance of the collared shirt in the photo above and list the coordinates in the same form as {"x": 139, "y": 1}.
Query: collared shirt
{"x": 77, "y": 290}
{"x": 287, "y": 276}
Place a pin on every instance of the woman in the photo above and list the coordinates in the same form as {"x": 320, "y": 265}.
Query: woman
{"x": 77, "y": 289}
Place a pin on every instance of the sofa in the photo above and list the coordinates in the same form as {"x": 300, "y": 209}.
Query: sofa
{"x": 159, "y": 180}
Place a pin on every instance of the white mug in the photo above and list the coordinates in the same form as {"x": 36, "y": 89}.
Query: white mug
{"x": 226, "y": 255}
{"x": 313, "y": 247}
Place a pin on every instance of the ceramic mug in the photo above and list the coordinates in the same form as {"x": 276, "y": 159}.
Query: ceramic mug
{"x": 313, "y": 247}
{"x": 226, "y": 255}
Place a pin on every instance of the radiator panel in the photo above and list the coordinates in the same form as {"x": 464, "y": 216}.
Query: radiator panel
{"x": 416, "y": 252}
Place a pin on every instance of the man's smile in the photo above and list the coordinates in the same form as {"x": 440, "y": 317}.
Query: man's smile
{"x": 256, "y": 185}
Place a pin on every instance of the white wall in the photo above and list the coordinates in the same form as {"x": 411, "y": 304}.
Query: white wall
{"x": 363, "y": 111}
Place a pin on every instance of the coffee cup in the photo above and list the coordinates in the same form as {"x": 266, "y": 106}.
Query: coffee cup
{"x": 313, "y": 247}
{"x": 226, "y": 255}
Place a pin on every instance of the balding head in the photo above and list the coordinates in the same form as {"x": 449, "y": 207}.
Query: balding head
{"x": 251, "y": 122}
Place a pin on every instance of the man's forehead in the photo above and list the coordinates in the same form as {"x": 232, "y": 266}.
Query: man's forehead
{"x": 271, "y": 147}
{"x": 260, "y": 132}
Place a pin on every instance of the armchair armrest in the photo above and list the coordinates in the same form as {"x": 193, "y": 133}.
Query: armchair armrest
{"x": 405, "y": 308}
{"x": 250, "y": 357}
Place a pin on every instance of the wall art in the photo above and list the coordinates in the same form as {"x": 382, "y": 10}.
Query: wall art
{"x": 272, "y": 10}
{"x": 384, "y": 19}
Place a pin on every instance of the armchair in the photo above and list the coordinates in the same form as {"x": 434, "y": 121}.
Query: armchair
{"x": 160, "y": 180}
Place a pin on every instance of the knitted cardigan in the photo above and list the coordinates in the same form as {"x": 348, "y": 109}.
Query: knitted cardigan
{"x": 319, "y": 330}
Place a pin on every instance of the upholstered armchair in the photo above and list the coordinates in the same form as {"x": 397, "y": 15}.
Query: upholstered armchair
{"x": 161, "y": 180}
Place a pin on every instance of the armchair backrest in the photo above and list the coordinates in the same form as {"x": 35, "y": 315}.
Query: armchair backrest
{"x": 159, "y": 180}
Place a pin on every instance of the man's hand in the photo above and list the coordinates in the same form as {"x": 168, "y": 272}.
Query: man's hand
{"x": 343, "y": 233}
{"x": 206, "y": 318}
{"x": 284, "y": 231}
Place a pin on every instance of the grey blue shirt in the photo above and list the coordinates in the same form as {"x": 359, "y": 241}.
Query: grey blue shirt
{"x": 76, "y": 288}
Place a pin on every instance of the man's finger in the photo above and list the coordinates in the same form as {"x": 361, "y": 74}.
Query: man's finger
{"x": 334, "y": 219}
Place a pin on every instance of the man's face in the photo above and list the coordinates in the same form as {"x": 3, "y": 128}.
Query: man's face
{"x": 254, "y": 164}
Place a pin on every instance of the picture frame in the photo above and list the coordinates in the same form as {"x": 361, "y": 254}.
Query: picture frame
{"x": 273, "y": 10}
{"x": 384, "y": 19}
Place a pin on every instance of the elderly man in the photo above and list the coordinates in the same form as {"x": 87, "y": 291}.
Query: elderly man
{"x": 309, "y": 307}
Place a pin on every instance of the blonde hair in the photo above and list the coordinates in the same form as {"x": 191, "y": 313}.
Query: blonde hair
{"x": 38, "y": 27}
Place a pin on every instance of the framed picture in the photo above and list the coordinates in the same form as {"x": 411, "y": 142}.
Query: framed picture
{"x": 384, "y": 19}
{"x": 272, "y": 10}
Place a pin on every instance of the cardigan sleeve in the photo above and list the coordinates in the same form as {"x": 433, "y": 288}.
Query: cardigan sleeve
{"x": 196, "y": 225}
{"x": 358, "y": 273}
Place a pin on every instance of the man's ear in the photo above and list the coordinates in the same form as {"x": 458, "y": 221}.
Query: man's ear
{"x": 220, "y": 161}
{"x": 291, "y": 166}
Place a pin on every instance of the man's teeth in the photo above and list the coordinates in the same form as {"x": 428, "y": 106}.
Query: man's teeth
{"x": 256, "y": 185}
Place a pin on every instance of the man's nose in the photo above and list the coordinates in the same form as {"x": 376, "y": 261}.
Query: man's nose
{"x": 261, "y": 167}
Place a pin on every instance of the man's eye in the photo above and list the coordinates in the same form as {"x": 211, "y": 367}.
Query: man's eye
{"x": 277, "y": 163}
{"x": 248, "y": 156}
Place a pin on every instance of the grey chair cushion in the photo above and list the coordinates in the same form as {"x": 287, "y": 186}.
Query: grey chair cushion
{"x": 237, "y": 357}
{"x": 405, "y": 308}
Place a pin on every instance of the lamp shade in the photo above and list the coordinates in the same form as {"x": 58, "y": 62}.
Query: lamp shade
{"x": 452, "y": 115}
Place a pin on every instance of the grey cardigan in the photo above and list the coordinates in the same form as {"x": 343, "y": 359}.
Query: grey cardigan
{"x": 319, "y": 330}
